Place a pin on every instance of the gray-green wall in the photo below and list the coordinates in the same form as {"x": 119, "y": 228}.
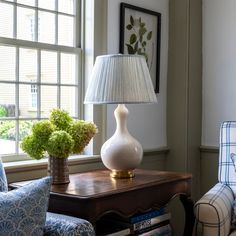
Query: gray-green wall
{"x": 184, "y": 96}
{"x": 184, "y": 88}
{"x": 209, "y": 168}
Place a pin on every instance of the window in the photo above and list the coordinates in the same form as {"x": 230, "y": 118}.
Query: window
{"x": 33, "y": 96}
{"x": 40, "y": 59}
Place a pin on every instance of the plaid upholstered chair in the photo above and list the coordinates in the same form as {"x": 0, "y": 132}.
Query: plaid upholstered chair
{"x": 215, "y": 210}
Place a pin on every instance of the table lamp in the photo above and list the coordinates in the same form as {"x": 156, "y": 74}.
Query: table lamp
{"x": 120, "y": 79}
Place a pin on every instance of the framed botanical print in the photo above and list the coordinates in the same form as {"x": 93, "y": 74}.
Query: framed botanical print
{"x": 140, "y": 33}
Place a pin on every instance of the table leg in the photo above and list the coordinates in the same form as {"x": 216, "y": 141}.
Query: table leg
{"x": 189, "y": 214}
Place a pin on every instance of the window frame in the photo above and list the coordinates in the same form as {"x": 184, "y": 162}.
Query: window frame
{"x": 40, "y": 46}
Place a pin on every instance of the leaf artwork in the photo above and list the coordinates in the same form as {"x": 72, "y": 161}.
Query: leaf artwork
{"x": 131, "y": 20}
{"x": 139, "y": 39}
{"x": 132, "y": 39}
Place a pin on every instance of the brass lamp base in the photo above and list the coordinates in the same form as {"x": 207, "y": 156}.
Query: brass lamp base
{"x": 122, "y": 174}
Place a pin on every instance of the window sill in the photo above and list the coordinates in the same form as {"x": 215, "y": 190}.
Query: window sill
{"x": 29, "y": 165}
{"x": 83, "y": 161}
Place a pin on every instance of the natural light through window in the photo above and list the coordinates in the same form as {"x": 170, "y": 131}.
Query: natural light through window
{"x": 40, "y": 61}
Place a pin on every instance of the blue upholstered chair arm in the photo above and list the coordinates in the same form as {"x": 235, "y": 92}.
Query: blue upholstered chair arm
{"x": 63, "y": 225}
{"x": 214, "y": 210}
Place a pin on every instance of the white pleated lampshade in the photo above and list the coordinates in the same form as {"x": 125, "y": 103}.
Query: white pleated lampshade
{"x": 120, "y": 79}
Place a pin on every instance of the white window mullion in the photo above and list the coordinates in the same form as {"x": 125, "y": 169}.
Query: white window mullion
{"x": 14, "y": 20}
{"x": 17, "y": 136}
{"x": 59, "y": 79}
{"x": 79, "y": 28}
{"x": 45, "y": 46}
{"x": 38, "y": 84}
{"x": 34, "y": 7}
{"x": 17, "y": 103}
{"x": 77, "y": 23}
{"x": 79, "y": 94}
{"x": 36, "y": 27}
{"x": 56, "y": 22}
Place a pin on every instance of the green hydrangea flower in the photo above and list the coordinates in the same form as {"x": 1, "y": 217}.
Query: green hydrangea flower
{"x": 33, "y": 147}
{"x": 42, "y": 131}
{"x": 82, "y": 132}
{"x": 59, "y": 136}
{"x": 60, "y": 144}
{"x": 61, "y": 119}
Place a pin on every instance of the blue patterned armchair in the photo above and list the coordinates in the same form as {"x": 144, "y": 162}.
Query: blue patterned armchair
{"x": 215, "y": 211}
{"x": 24, "y": 212}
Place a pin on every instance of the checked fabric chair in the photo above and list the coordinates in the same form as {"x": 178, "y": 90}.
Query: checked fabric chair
{"x": 215, "y": 210}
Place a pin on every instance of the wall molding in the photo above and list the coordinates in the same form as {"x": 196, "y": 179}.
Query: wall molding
{"x": 209, "y": 149}
{"x": 21, "y": 166}
{"x": 156, "y": 151}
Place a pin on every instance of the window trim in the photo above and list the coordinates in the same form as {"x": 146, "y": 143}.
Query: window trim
{"x": 31, "y": 165}
{"x": 94, "y": 45}
{"x": 38, "y": 8}
{"x": 38, "y": 47}
{"x": 89, "y": 49}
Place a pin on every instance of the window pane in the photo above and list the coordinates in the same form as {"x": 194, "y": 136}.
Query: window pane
{"x": 48, "y": 67}
{"x": 66, "y": 6}
{"x": 46, "y": 27}
{"x": 6, "y": 20}
{"x": 68, "y": 68}
{"x": 7, "y": 63}
{"x": 65, "y": 30}
{"x": 27, "y": 2}
{"x": 7, "y": 137}
{"x": 25, "y": 128}
{"x": 7, "y": 98}
{"x": 68, "y": 95}
{"x": 48, "y": 99}
{"x": 25, "y": 23}
{"x": 28, "y": 100}
{"x": 3, "y": 111}
{"x": 47, "y": 4}
{"x": 28, "y": 65}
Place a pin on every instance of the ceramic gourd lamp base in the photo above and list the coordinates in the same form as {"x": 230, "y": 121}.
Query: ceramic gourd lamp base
{"x": 58, "y": 170}
{"x": 122, "y": 153}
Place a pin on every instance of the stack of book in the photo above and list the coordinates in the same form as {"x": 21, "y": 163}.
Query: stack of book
{"x": 154, "y": 222}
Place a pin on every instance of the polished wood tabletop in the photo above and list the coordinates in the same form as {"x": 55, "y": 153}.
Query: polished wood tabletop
{"x": 92, "y": 194}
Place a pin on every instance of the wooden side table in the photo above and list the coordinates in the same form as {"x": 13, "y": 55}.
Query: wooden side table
{"x": 91, "y": 195}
